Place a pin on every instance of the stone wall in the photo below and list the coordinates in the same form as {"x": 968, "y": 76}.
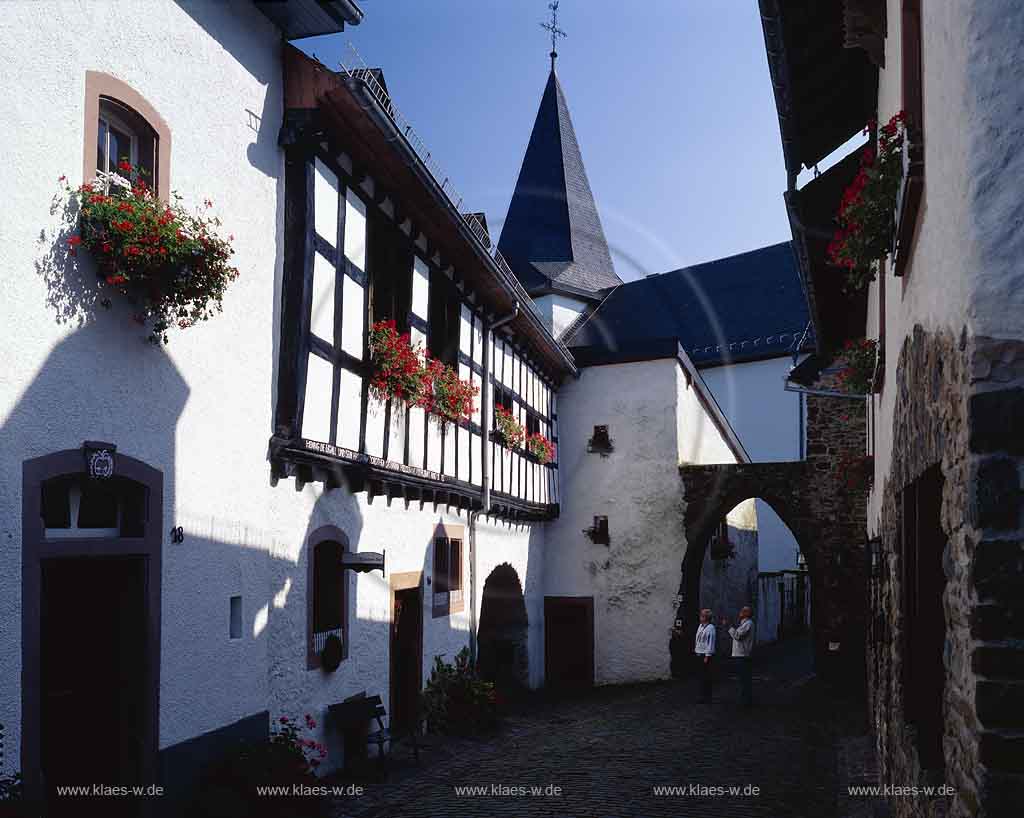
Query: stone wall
{"x": 823, "y": 503}
{"x": 958, "y": 405}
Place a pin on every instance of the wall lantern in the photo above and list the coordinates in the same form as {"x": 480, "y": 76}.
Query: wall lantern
{"x": 600, "y": 442}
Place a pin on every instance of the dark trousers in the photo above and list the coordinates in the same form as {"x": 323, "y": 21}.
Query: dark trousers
{"x": 746, "y": 680}
{"x": 704, "y": 679}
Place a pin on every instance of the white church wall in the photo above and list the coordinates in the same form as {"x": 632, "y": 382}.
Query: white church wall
{"x": 652, "y": 418}
{"x": 199, "y": 409}
{"x": 767, "y": 420}
{"x": 559, "y": 311}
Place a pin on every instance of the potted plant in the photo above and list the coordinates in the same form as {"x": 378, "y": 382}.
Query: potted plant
{"x": 510, "y": 429}
{"x": 868, "y": 206}
{"x": 541, "y": 448}
{"x": 169, "y": 262}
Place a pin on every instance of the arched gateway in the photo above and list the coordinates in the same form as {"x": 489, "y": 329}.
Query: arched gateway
{"x": 825, "y": 514}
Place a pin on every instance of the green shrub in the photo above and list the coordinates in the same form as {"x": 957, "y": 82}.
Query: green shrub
{"x": 455, "y": 701}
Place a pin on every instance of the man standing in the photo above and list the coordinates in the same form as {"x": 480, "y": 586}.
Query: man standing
{"x": 704, "y": 647}
{"x": 742, "y": 646}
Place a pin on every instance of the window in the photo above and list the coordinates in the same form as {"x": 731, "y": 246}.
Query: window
{"x": 923, "y": 542}
{"x": 445, "y": 316}
{"x": 720, "y": 546}
{"x": 235, "y": 625}
{"x": 911, "y": 188}
{"x": 600, "y": 441}
{"x": 79, "y": 507}
{"x": 327, "y": 600}
{"x": 121, "y": 125}
{"x": 447, "y": 580}
{"x": 532, "y": 424}
{"x": 390, "y": 263}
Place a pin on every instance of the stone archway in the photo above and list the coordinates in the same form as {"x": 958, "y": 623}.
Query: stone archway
{"x": 502, "y": 636}
{"x": 827, "y": 519}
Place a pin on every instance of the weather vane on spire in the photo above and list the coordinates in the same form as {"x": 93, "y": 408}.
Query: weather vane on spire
{"x": 554, "y": 30}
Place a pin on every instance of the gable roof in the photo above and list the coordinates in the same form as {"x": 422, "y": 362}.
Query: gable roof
{"x": 741, "y": 308}
{"x": 552, "y": 237}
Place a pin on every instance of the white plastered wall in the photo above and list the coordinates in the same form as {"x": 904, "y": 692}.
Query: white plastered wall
{"x": 964, "y": 272}
{"x": 656, "y": 423}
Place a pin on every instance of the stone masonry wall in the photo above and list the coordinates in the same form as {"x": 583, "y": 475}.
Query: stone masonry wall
{"x": 957, "y": 404}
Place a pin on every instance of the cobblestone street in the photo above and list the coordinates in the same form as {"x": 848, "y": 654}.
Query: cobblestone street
{"x": 608, "y": 751}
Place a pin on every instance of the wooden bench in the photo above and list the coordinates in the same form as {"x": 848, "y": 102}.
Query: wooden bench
{"x": 355, "y": 714}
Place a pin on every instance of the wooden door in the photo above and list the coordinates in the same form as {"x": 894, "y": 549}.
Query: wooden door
{"x": 569, "y": 642}
{"x": 93, "y": 662}
{"x": 406, "y": 657}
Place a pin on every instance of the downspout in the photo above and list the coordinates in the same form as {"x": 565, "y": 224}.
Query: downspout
{"x": 485, "y": 470}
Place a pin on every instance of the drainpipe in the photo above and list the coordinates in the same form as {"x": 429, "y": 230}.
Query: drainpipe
{"x": 485, "y": 471}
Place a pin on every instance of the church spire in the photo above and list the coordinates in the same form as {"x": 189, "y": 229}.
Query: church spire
{"x": 552, "y": 237}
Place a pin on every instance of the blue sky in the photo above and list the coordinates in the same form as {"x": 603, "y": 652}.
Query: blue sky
{"x": 671, "y": 101}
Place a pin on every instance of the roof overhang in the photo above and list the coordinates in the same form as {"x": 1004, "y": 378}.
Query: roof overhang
{"x": 353, "y": 118}
{"x": 825, "y": 91}
{"x": 836, "y": 313}
{"x": 654, "y": 349}
{"x": 309, "y": 18}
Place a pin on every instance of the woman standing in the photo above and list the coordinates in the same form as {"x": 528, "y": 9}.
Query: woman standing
{"x": 704, "y": 647}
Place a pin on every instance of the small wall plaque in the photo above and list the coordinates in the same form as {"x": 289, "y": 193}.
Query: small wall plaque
{"x": 99, "y": 459}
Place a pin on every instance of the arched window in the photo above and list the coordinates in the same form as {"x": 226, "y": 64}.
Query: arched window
{"x": 121, "y": 125}
{"x": 327, "y": 595}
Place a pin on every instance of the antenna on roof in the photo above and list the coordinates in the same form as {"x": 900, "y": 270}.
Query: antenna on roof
{"x": 554, "y": 30}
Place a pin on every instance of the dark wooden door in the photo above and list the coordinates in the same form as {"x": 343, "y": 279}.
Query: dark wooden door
{"x": 93, "y": 660}
{"x": 406, "y": 657}
{"x": 568, "y": 642}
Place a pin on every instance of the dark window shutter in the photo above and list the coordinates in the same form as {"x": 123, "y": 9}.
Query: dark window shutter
{"x": 455, "y": 566}
{"x": 327, "y": 587}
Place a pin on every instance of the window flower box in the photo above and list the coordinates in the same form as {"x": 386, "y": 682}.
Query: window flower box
{"x": 858, "y": 376}
{"x": 541, "y": 448}
{"x": 407, "y": 373}
{"x": 170, "y": 262}
{"x": 867, "y": 211}
{"x": 510, "y": 429}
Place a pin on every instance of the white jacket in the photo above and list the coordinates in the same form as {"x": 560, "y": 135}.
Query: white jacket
{"x": 742, "y": 638}
{"x": 705, "y": 643}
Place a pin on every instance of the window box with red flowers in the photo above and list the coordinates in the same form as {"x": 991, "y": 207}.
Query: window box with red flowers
{"x": 406, "y": 373}
{"x": 868, "y": 207}
{"x": 510, "y": 429}
{"x": 541, "y": 448}
{"x": 169, "y": 262}
{"x": 857, "y": 377}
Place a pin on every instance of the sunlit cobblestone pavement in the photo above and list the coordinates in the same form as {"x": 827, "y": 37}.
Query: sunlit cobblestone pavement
{"x": 611, "y": 752}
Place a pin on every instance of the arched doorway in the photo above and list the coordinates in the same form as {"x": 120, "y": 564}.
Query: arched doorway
{"x": 742, "y": 567}
{"x": 91, "y": 576}
{"x": 502, "y": 636}
{"x": 827, "y": 521}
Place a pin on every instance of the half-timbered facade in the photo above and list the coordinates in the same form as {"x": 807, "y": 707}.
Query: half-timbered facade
{"x": 358, "y": 252}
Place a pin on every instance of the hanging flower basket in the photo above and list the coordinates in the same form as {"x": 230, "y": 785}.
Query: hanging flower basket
{"x": 858, "y": 376}
{"x": 407, "y": 373}
{"x": 168, "y": 261}
{"x": 510, "y": 429}
{"x": 868, "y": 206}
{"x": 541, "y": 448}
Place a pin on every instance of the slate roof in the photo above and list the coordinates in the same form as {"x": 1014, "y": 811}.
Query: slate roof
{"x": 552, "y": 236}
{"x": 744, "y": 307}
